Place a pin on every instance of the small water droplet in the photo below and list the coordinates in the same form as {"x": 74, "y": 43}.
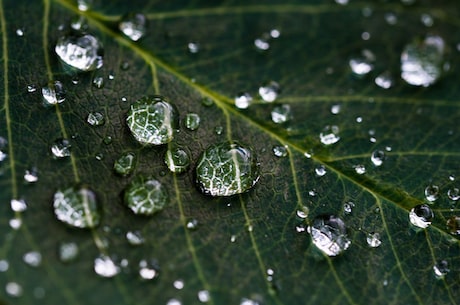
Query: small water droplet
{"x": 153, "y": 120}
{"x": 348, "y": 207}
{"x": 281, "y": 114}
{"x": 32, "y": 258}
{"x": 232, "y": 238}
{"x": 135, "y": 238}
{"x": 384, "y": 80}
{"x": 391, "y": 18}
{"x": 342, "y": 2}
{"x": 31, "y": 175}
{"x": 207, "y": 101}
{"x": 219, "y": 130}
{"x": 82, "y": 52}
{"x": 53, "y": 93}
{"x": 363, "y": 64}
{"x": 453, "y": 225}
{"x": 226, "y": 169}
{"x": 77, "y": 207}
{"x": 4, "y": 265}
{"x": 303, "y": 212}
{"x": 31, "y": 88}
{"x": 95, "y": 119}
{"x": 61, "y": 148}
{"x": 13, "y": 289}
{"x": 262, "y": 43}
{"x": 275, "y": 33}
{"x": 359, "y": 169}
{"x": 124, "y": 65}
{"x": 329, "y": 135}
{"x": 432, "y": 192}
{"x": 335, "y": 109}
{"x": 441, "y": 269}
{"x": 79, "y": 23}
{"x": 107, "y": 140}
{"x": 453, "y": 194}
{"x": 280, "y": 151}
{"x": 377, "y": 157}
{"x": 192, "y": 121}
{"x": 98, "y": 82}
{"x": 329, "y": 234}
{"x": 269, "y": 91}
{"x": 177, "y": 160}
{"x": 421, "y": 216}
{"x": 193, "y": 47}
{"x": 204, "y": 296}
{"x": 15, "y": 223}
{"x": 18, "y": 205}
{"x": 19, "y": 32}
{"x": 421, "y": 62}
{"x": 133, "y": 26}
{"x": 359, "y": 119}
{"x": 320, "y": 171}
{"x": 243, "y": 100}
{"x": 178, "y": 284}
{"x": 192, "y": 224}
{"x": 146, "y": 196}
{"x": 68, "y": 252}
{"x": 125, "y": 164}
{"x": 104, "y": 266}
{"x": 173, "y": 302}
{"x": 148, "y": 269}
{"x": 373, "y": 240}
{"x": 427, "y": 20}
{"x": 84, "y": 5}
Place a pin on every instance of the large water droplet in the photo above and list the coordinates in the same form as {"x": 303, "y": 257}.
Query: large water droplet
{"x": 453, "y": 225}
{"x": 281, "y": 114}
{"x": 373, "y": 240}
{"x": 95, "y": 119}
{"x": 61, "y": 148}
{"x": 133, "y": 26}
{"x": 329, "y": 234}
{"x": 177, "y": 160}
{"x": 68, "y": 252}
{"x": 441, "y": 269}
{"x": 82, "y": 52}
{"x": 226, "y": 169}
{"x": 146, "y": 196}
{"x": 105, "y": 266}
{"x": 192, "y": 121}
{"x": 377, "y": 157}
{"x": 364, "y": 64}
{"x": 421, "y": 62}
{"x": 53, "y": 93}
{"x": 152, "y": 120}
{"x": 243, "y": 100}
{"x": 77, "y": 207}
{"x": 125, "y": 164}
{"x": 329, "y": 135}
{"x": 269, "y": 91}
{"x": 432, "y": 192}
{"x": 421, "y": 216}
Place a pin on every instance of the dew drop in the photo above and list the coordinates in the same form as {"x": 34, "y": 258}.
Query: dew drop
{"x": 280, "y": 151}
{"x": 377, "y": 157}
{"x": 329, "y": 135}
{"x": 153, "y": 120}
{"x": 135, "y": 238}
{"x": 145, "y": 196}
{"x": 148, "y": 269}
{"x": 82, "y": 52}
{"x": 98, "y": 82}
{"x": 329, "y": 234}
{"x": 177, "y": 160}
{"x": 19, "y": 32}
{"x": 363, "y": 64}
{"x": 95, "y": 119}
{"x": 384, "y": 80}
{"x": 61, "y": 148}
{"x": 192, "y": 224}
{"x": 269, "y": 91}
{"x": 68, "y": 252}
{"x": 13, "y": 289}
{"x": 125, "y": 164}
{"x": 243, "y": 100}
{"x": 432, "y": 192}
{"x": 218, "y": 130}
{"x": 192, "y": 121}
{"x": 421, "y": 62}
{"x": 360, "y": 169}
{"x": 391, "y": 18}
{"x": 303, "y": 212}
{"x": 178, "y": 284}
{"x": 427, "y": 20}
{"x": 281, "y": 114}
{"x": 79, "y": 23}
{"x": 107, "y": 140}
{"x": 453, "y": 225}
{"x": 342, "y": 2}
{"x": 204, "y": 296}
{"x": 275, "y": 33}
{"x": 77, "y": 207}
{"x": 31, "y": 175}
{"x": 262, "y": 43}
{"x": 335, "y": 109}
{"x": 173, "y": 302}
{"x": 133, "y": 26}
{"x": 226, "y": 169}
{"x": 453, "y": 194}
{"x": 84, "y": 5}
{"x": 32, "y": 258}
{"x": 373, "y": 240}
{"x": 421, "y": 216}
{"x": 193, "y": 47}
{"x": 348, "y": 207}
{"x": 53, "y": 93}
{"x": 31, "y": 88}
{"x": 441, "y": 269}
{"x": 15, "y": 223}
{"x": 18, "y": 205}
{"x": 104, "y": 266}
{"x": 320, "y": 171}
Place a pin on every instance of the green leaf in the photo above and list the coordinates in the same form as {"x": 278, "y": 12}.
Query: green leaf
{"x": 251, "y": 246}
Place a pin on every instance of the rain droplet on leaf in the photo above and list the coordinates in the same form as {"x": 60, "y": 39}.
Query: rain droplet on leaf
{"x": 348, "y": 207}
{"x": 373, "y": 240}
{"x": 421, "y": 216}
{"x": 125, "y": 164}
{"x": 133, "y": 26}
{"x": 335, "y": 109}
{"x": 61, "y": 148}
{"x": 303, "y": 212}
{"x": 280, "y": 151}
{"x": 31, "y": 88}
{"x": 363, "y": 64}
{"x": 269, "y": 91}
{"x": 432, "y": 192}
{"x": 329, "y": 234}
{"x": 84, "y": 5}
{"x": 441, "y": 269}
{"x": 104, "y": 266}
{"x": 384, "y": 80}
{"x": 98, "y": 82}
{"x": 148, "y": 269}
{"x": 13, "y": 289}
{"x": 204, "y": 296}
{"x": 320, "y": 171}
{"x": 226, "y": 169}
{"x": 53, "y": 93}
{"x": 193, "y": 47}
{"x": 192, "y": 224}
{"x": 31, "y": 175}
{"x": 360, "y": 169}
{"x": 377, "y": 157}
{"x": 177, "y": 160}
{"x": 243, "y": 100}
{"x": 68, "y": 252}
{"x": 95, "y": 119}
{"x": 329, "y": 135}
{"x": 81, "y": 52}
{"x": 18, "y": 205}
{"x": 192, "y": 121}
{"x": 32, "y": 258}
{"x": 453, "y": 194}
{"x": 281, "y": 114}
{"x": 135, "y": 238}
{"x": 453, "y": 225}
{"x": 146, "y": 196}
{"x": 4, "y": 265}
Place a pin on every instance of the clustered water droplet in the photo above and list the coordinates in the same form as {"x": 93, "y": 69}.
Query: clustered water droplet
{"x": 135, "y": 238}
{"x": 329, "y": 234}
{"x": 148, "y": 269}
{"x": 104, "y": 266}
{"x": 421, "y": 216}
{"x": 146, "y": 196}
{"x": 82, "y": 52}
{"x": 384, "y": 80}
{"x": 32, "y": 258}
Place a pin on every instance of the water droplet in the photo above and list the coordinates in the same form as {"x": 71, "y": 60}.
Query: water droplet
{"x": 262, "y": 43}
{"x": 335, "y": 109}
{"x": 218, "y": 130}
{"x": 177, "y": 160}
{"x": 105, "y": 266}
{"x": 342, "y": 2}
{"x": 348, "y": 207}
{"x": 31, "y": 175}
{"x": 18, "y": 205}
{"x": 320, "y": 171}
{"x": 31, "y": 88}
{"x": 193, "y": 47}
{"x": 152, "y": 120}
{"x": 365, "y": 36}
{"x": 135, "y": 238}
{"x": 280, "y": 151}
{"x": 82, "y": 52}
{"x": 77, "y": 207}
{"x": 377, "y": 157}
{"x": 79, "y": 23}
{"x": 269, "y": 91}
{"x": 373, "y": 240}
{"x": 95, "y": 119}
{"x": 68, "y": 252}
{"x": 329, "y": 135}
{"x": 98, "y": 82}
{"x": 303, "y": 212}
{"x": 107, "y": 140}
{"x": 441, "y": 269}
{"x": 391, "y": 18}
{"x": 84, "y": 5}
{"x": 245, "y": 301}
{"x": 192, "y": 224}
{"x": 432, "y": 192}
{"x": 421, "y": 62}
{"x": 20, "y": 32}
{"x": 384, "y": 80}
{"x": 13, "y": 289}
{"x": 61, "y": 148}
{"x": 148, "y": 269}
{"x": 204, "y": 296}
{"x": 243, "y": 100}
{"x": 178, "y": 284}
{"x": 453, "y": 194}
{"x": 53, "y": 93}
{"x": 15, "y": 223}
{"x": 453, "y": 225}
{"x": 146, "y": 196}
{"x": 207, "y": 102}
{"x": 360, "y": 169}
{"x": 275, "y": 33}
{"x": 32, "y": 258}
{"x": 192, "y": 121}
{"x": 281, "y": 114}
{"x": 364, "y": 64}
{"x": 125, "y": 164}
{"x": 133, "y": 26}
{"x": 226, "y": 169}
{"x": 174, "y": 302}
{"x": 232, "y": 238}
{"x": 421, "y": 216}
{"x": 427, "y": 20}
{"x": 329, "y": 234}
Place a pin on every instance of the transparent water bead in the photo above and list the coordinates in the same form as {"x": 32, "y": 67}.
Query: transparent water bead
{"x": 13, "y": 289}
{"x": 360, "y": 169}
{"x": 373, "y": 240}
{"x": 421, "y": 62}
{"x": 18, "y": 205}
{"x": 204, "y": 296}
{"x": 177, "y": 160}
{"x": 329, "y": 234}
{"x": 61, "y": 148}
{"x": 303, "y": 212}
{"x": 432, "y": 192}
{"x": 363, "y": 64}
{"x": 226, "y": 169}
{"x": 77, "y": 207}
{"x": 148, "y": 269}
{"x": 125, "y": 164}
{"x": 192, "y": 121}
{"x": 243, "y": 100}
{"x": 281, "y": 114}
{"x": 193, "y": 47}
{"x": 453, "y": 194}
{"x": 53, "y": 93}
{"x": 453, "y": 225}
{"x": 335, "y": 109}
{"x": 133, "y": 26}
{"x": 421, "y": 216}
{"x": 146, "y": 196}
{"x": 320, "y": 171}
{"x": 384, "y": 80}
{"x": 329, "y": 135}
{"x": 269, "y": 91}
{"x": 95, "y": 119}
{"x": 31, "y": 88}
{"x": 153, "y": 120}
{"x": 82, "y": 52}
{"x": 377, "y": 157}
{"x": 280, "y": 151}
{"x": 348, "y": 207}
{"x": 98, "y": 82}
{"x": 441, "y": 269}
{"x": 105, "y": 266}
{"x": 32, "y": 258}
{"x": 68, "y": 252}
{"x": 135, "y": 238}
{"x": 31, "y": 175}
